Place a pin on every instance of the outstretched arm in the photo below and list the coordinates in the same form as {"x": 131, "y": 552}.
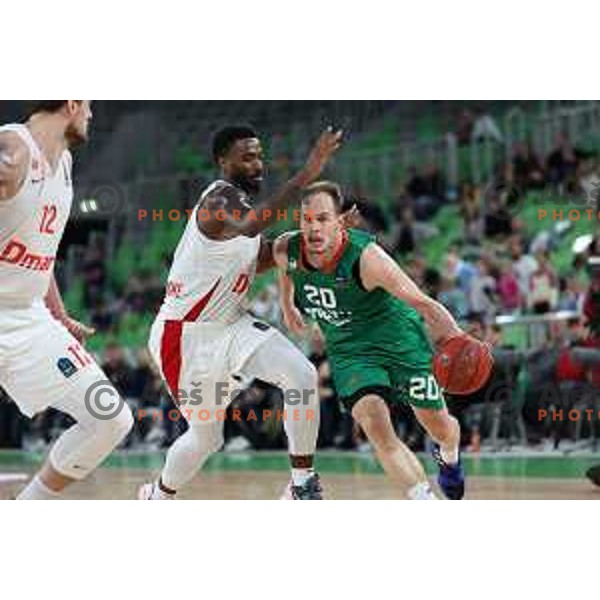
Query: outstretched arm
{"x": 379, "y": 270}
{"x": 14, "y": 155}
{"x": 292, "y": 317}
{"x": 224, "y": 202}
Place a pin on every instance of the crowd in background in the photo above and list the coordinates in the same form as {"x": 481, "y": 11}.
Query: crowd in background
{"x": 512, "y": 274}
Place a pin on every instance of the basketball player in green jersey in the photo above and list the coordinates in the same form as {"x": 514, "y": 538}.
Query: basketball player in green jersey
{"x": 374, "y": 320}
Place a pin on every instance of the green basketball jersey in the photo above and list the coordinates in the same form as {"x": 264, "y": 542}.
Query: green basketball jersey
{"x": 355, "y": 322}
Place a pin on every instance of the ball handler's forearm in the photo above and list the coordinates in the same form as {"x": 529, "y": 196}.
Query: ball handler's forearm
{"x": 378, "y": 269}
{"x": 439, "y": 321}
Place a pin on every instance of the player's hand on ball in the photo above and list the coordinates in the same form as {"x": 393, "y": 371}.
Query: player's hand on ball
{"x": 293, "y": 320}
{"x": 325, "y": 147}
{"x": 462, "y": 364}
{"x": 78, "y": 330}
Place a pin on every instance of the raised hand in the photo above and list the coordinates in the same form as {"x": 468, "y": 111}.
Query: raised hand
{"x": 325, "y": 147}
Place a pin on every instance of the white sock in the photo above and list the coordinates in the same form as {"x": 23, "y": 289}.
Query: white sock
{"x": 301, "y": 476}
{"x": 449, "y": 455}
{"x": 160, "y": 494}
{"x": 421, "y": 491}
{"x": 37, "y": 490}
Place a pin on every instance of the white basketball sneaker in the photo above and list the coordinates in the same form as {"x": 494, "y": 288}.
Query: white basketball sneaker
{"x": 151, "y": 491}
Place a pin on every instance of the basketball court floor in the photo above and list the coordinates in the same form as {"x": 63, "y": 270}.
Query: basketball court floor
{"x": 346, "y": 476}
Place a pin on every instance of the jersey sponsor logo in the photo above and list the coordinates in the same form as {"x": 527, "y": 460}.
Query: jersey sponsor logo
{"x": 16, "y": 253}
{"x": 174, "y": 289}
{"x": 66, "y": 367}
{"x": 325, "y": 306}
{"x": 329, "y": 316}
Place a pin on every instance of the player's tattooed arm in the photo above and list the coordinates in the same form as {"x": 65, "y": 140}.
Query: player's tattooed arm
{"x": 379, "y": 270}
{"x": 57, "y": 308}
{"x": 224, "y": 223}
{"x": 292, "y": 317}
{"x": 13, "y": 164}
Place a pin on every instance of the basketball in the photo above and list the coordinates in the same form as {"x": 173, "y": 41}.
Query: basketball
{"x": 462, "y": 365}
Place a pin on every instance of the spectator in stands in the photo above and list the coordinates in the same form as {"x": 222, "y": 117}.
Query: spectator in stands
{"x": 371, "y": 216}
{"x": 118, "y": 370}
{"x": 102, "y": 318}
{"x": 416, "y": 268}
{"x": 482, "y": 291}
{"x": 135, "y": 294}
{"x": 485, "y": 127}
{"x": 435, "y": 182}
{"x": 543, "y": 286}
{"x": 408, "y": 234}
{"x": 509, "y": 292}
{"x": 561, "y": 163}
{"x": 460, "y": 270}
{"x": 453, "y": 298}
{"x": 567, "y": 368}
{"x": 527, "y": 168}
{"x": 523, "y": 264}
{"x": 571, "y": 294}
{"x": 498, "y": 220}
{"x": 494, "y": 335}
{"x": 591, "y": 304}
{"x": 94, "y": 275}
{"x": 416, "y": 186}
{"x": 427, "y": 190}
{"x": 464, "y": 129}
{"x": 471, "y": 212}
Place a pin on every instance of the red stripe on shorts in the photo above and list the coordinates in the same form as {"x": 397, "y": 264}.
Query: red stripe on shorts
{"x": 170, "y": 347}
{"x": 170, "y": 355}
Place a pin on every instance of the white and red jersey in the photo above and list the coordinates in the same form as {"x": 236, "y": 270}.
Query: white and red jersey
{"x": 32, "y": 224}
{"x": 209, "y": 279}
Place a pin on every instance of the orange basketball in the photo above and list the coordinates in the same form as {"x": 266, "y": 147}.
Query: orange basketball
{"x": 462, "y": 365}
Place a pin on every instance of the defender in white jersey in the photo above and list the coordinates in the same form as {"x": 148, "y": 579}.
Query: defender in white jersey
{"x": 42, "y": 360}
{"x": 205, "y": 340}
